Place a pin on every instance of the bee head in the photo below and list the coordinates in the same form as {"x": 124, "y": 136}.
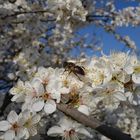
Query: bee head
{"x": 65, "y": 64}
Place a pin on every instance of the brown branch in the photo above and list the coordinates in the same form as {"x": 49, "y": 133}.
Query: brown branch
{"x": 107, "y": 131}
{"x": 78, "y": 116}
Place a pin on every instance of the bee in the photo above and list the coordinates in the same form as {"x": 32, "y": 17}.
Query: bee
{"x": 73, "y": 68}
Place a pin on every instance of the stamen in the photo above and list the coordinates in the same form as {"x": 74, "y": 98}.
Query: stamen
{"x": 15, "y": 126}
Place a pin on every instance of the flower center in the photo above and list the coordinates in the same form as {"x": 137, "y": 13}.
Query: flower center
{"x": 74, "y": 99}
{"x": 15, "y": 126}
{"x": 137, "y": 69}
{"x": 45, "y": 96}
{"x": 129, "y": 85}
{"x": 28, "y": 123}
{"x": 65, "y": 82}
{"x": 109, "y": 91}
{"x": 71, "y": 134}
{"x": 45, "y": 81}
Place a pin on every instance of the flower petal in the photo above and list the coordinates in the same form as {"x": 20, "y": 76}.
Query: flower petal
{"x": 21, "y": 133}
{"x": 18, "y": 98}
{"x": 65, "y": 90}
{"x": 50, "y": 107}
{"x": 136, "y": 78}
{"x": 84, "y": 132}
{"x": 56, "y": 96}
{"x": 129, "y": 69}
{"x": 9, "y": 135}
{"x": 38, "y": 86}
{"x": 4, "y": 125}
{"x": 66, "y": 123}
{"x": 55, "y": 131}
{"x": 12, "y": 117}
{"x": 27, "y": 135}
{"x": 38, "y": 105}
{"x": 32, "y": 131}
{"x": 120, "y": 96}
{"x": 129, "y": 96}
{"x": 36, "y": 119}
{"x": 84, "y": 109}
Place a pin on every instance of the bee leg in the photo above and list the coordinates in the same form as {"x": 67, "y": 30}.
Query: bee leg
{"x": 83, "y": 67}
{"x": 64, "y": 71}
{"x": 68, "y": 74}
{"x": 77, "y": 76}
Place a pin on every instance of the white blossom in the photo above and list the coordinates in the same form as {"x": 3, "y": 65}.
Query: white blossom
{"x": 19, "y": 92}
{"x": 107, "y": 85}
{"x": 136, "y": 74}
{"x": 73, "y": 8}
{"x": 12, "y": 127}
{"x": 29, "y": 121}
{"x": 99, "y": 72}
{"x": 68, "y": 129}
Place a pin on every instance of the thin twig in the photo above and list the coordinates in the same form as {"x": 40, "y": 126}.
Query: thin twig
{"x": 23, "y": 12}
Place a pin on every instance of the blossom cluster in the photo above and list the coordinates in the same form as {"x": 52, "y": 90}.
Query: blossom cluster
{"x": 107, "y": 83}
{"x": 68, "y": 13}
{"x": 127, "y": 16}
{"x": 66, "y": 9}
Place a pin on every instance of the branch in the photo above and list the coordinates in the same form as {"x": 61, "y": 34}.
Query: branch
{"x": 92, "y": 18}
{"x": 6, "y": 102}
{"x": 78, "y": 116}
{"x": 107, "y": 131}
{"x": 128, "y": 43}
{"x": 24, "y": 12}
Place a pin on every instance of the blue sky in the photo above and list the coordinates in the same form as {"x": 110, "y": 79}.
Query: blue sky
{"x": 109, "y": 42}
